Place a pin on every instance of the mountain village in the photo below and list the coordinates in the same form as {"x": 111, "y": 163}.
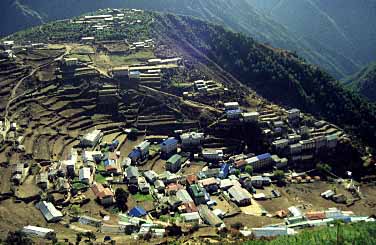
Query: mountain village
{"x": 178, "y": 180}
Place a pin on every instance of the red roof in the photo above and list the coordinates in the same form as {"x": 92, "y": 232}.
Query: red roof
{"x": 209, "y": 181}
{"x": 315, "y": 215}
{"x": 192, "y": 179}
{"x": 189, "y": 207}
{"x": 240, "y": 163}
{"x": 174, "y": 187}
{"x": 100, "y": 192}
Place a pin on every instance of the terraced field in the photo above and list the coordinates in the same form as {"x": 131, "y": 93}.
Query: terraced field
{"x": 52, "y": 114}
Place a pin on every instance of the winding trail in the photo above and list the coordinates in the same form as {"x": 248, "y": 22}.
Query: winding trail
{"x": 13, "y": 96}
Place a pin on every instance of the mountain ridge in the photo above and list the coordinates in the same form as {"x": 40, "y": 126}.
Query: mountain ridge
{"x": 344, "y": 27}
{"x": 240, "y": 15}
{"x": 279, "y": 76}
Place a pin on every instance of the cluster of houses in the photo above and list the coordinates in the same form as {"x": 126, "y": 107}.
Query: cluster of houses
{"x": 9, "y": 48}
{"x": 149, "y": 71}
{"x": 10, "y": 132}
{"x": 299, "y": 141}
{"x": 108, "y": 20}
{"x": 203, "y": 89}
{"x": 289, "y": 133}
{"x": 73, "y": 67}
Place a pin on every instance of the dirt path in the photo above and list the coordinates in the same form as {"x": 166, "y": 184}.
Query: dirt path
{"x": 33, "y": 71}
{"x": 180, "y": 99}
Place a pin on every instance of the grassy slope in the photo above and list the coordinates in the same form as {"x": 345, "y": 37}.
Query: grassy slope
{"x": 358, "y": 233}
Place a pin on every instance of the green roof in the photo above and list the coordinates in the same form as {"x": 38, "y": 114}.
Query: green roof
{"x": 197, "y": 191}
{"x": 332, "y": 137}
{"x": 174, "y": 159}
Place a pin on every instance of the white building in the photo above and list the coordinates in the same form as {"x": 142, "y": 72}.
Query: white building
{"x": 91, "y": 156}
{"x": 320, "y": 142}
{"x": 272, "y": 231}
{"x": 232, "y": 106}
{"x": 294, "y": 138}
{"x": 251, "y": 116}
{"x": 240, "y": 195}
{"x": 191, "y": 217}
{"x": 296, "y": 212}
{"x": 308, "y": 144}
{"x": 122, "y": 71}
{"x": 69, "y": 165}
{"x": 92, "y": 138}
{"x": 98, "y": 17}
{"x": 85, "y": 175}
{"x": 36, "y": 230}
{"x": 295, "y": 149}
{"x": 293, "y": 114}
{"x": 50, "y": 213}
{"x": 280, "y": 144}
{"x": 331, "y": 141}
{"x": 260, "y": 161}
{"x": 212, "y": 154}
{"x": 70, "y": 61}
{"x": 191, "y": 139}
{"x": 144, "y": 149}
{"x": 143, "y": 185}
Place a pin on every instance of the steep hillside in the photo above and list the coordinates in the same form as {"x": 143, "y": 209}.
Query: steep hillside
{"x": 364, "y": 82}
{"x": 344, "y": 28}
{"x": 13, "y": 10}
{"x": 239, "y": 15}
{"x": 275, "y": 74}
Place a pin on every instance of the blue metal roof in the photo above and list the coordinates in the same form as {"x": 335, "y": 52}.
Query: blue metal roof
{"x": 225, "y": 169}
{"x": 264, "y": 156}
{"x": 170, "y": 141}
{"x": 137, "y": 212}
{"x": 237, "y": 111}
{"x": 106, "y": 163}
{"x": 109, "y": 163}
{"x": 135, "y": 154}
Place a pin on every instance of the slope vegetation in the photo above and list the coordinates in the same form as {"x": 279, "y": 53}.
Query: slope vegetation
{"x": 275, "y": 74}
{"x": 347, "y": 234}
{"x": 239, "y": 15}
{"x": 364, "y": 82}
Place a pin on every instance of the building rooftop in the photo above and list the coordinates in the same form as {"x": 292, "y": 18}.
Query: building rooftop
{"x": 264, "y": 156}
{"x": 37, "y": 229}
{"x": 132, "y": 171}
{"x": 197, "y": 191}
{"x": 208, "y": 181}
{"x": 49, "y": 211}
{"x": 174, "y": 159}
{"x": 84, "y": 173}
{"x": 184, "y": 196}
{"x": 137, "y": 212}
{"x": 239, "y": 193}
{"x": 93, "y": 135}
{"x": 170, "y": 141}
